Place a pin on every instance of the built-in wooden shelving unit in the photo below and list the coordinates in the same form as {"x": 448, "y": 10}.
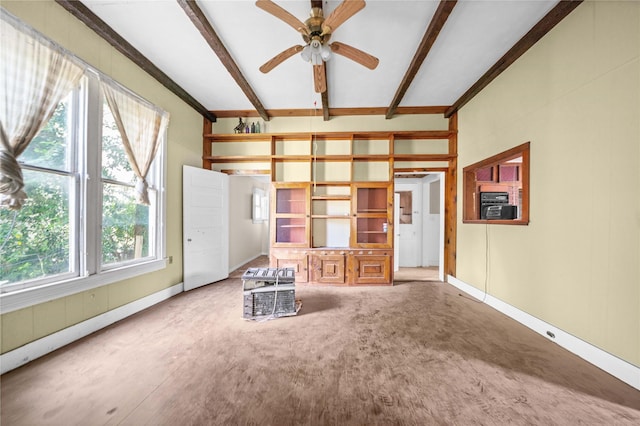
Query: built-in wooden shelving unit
{"x": 332, "y": 194}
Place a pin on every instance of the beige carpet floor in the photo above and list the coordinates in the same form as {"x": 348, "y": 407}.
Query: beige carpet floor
{"x": 416, "y": 274}
{"x": 417, "y": 353}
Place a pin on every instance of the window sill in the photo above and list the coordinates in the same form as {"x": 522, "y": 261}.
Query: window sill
{"x": 36, "y": 295}
{"x": 498, "y": 221}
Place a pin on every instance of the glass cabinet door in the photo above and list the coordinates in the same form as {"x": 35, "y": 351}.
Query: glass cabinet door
{"x": 291, "y": 214}
{"x": 291, "y": 200}
{"x": 372, "y": 222}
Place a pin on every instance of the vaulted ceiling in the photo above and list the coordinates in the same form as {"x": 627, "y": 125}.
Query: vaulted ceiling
{"x": 433, "y": 55}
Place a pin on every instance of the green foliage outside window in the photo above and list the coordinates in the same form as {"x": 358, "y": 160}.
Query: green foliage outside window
{"x": 34, "y": 241}
{"x": 37, "y": 243}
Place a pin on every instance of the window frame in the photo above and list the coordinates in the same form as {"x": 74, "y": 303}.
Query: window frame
{"x": 86, "y": 129}
{"x": 153, "y": 192}
{"x": 471, "y": 192}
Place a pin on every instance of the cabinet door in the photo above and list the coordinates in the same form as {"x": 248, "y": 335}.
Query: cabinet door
{"x": 371, "y": 269}
{"x": 371, "y": 215}
{"x": 328, "y": 269}
{"x": 290, "y": 215}
{"x": 297, "y": 261}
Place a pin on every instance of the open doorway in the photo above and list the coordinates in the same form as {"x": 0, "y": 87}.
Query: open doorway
{"x": 419, "y": 229}
{"x": 249, "y": 219}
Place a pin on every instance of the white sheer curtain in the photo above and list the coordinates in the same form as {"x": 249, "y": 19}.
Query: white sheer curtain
{"x": 35, "y": 75}
{"x": 141, "y": 126}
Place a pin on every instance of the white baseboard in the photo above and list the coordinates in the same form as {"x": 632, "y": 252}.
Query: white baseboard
{"x": 24, "y": 354}
{"x": 613, "y": 365}
{"x": 244, "y": 262}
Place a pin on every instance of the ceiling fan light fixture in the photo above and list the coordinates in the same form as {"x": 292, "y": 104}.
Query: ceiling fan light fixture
{"x": 316, "y": 32}
{"x": 306, "y": 53}
{"x": 325, "y": 52}
{"x": 316, "y": 52}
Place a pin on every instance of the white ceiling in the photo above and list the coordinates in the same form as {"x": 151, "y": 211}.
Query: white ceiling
{"x": 476, "y": 35}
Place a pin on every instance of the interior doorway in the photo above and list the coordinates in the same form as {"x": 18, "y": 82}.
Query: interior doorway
{"x": 249, "y": 218}
{"x": 419, "y": 237}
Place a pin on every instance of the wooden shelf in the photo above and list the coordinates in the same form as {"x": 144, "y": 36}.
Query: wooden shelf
{"x": 337, "y": 157}
{"x": 372, "y": 211}
{"x": 348, "y": 147}
{"x": 331, "y": 197}
{"x": 331, "y": 183}
{"x": 238, "y": 137}
{"x": 423, "y": 157}
{"x": 283, "y": 158}
{"x": 372, "y": 157}
{"x": 396, "y": 134}
{"x": 238, "y": 159}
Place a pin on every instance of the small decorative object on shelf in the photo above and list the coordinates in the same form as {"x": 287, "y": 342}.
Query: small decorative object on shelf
{"x": 253, "y": 127}
{"x": 258, "y": 127}
{"x": 240, "y": 128}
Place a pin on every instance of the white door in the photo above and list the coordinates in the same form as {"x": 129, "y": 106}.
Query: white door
{"x": 410, "y": 225}
{"x": 396, "y": 232}
{"x": 205, "y": 215}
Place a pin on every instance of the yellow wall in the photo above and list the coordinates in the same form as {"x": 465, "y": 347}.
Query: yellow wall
{"x": 184, "y": 147}
{"x": 576, "y": 97}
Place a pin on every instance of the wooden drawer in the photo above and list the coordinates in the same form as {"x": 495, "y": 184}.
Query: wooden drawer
{"x": 292, "y": 259}
{"x": 328, "y": 269}
{"x": 371, "y": 269}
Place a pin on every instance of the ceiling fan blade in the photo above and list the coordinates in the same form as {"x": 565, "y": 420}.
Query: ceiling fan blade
{"x": 354, "y": 54}
{"x": 319, "y": 78}
{"x": 344, "y": 11}
{"x": 280, "y": 13}
{"x": 280, "y": 57}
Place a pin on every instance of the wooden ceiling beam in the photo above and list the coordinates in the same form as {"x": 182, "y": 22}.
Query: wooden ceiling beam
{"x": 550, "y": 20}
{"x": 440, "y": 17}
{"x": 325, "y": 101}
{"x": 91, "y": 20}
{"x": 201, "y": 22}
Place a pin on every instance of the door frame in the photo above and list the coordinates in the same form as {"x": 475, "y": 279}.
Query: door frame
{"x": 441, "y": 238}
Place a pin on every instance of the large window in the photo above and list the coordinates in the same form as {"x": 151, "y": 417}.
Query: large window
{"x": 75, "y": 230}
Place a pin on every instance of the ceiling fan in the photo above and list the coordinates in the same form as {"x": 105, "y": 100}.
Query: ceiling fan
{"x": 316, "y": 32}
